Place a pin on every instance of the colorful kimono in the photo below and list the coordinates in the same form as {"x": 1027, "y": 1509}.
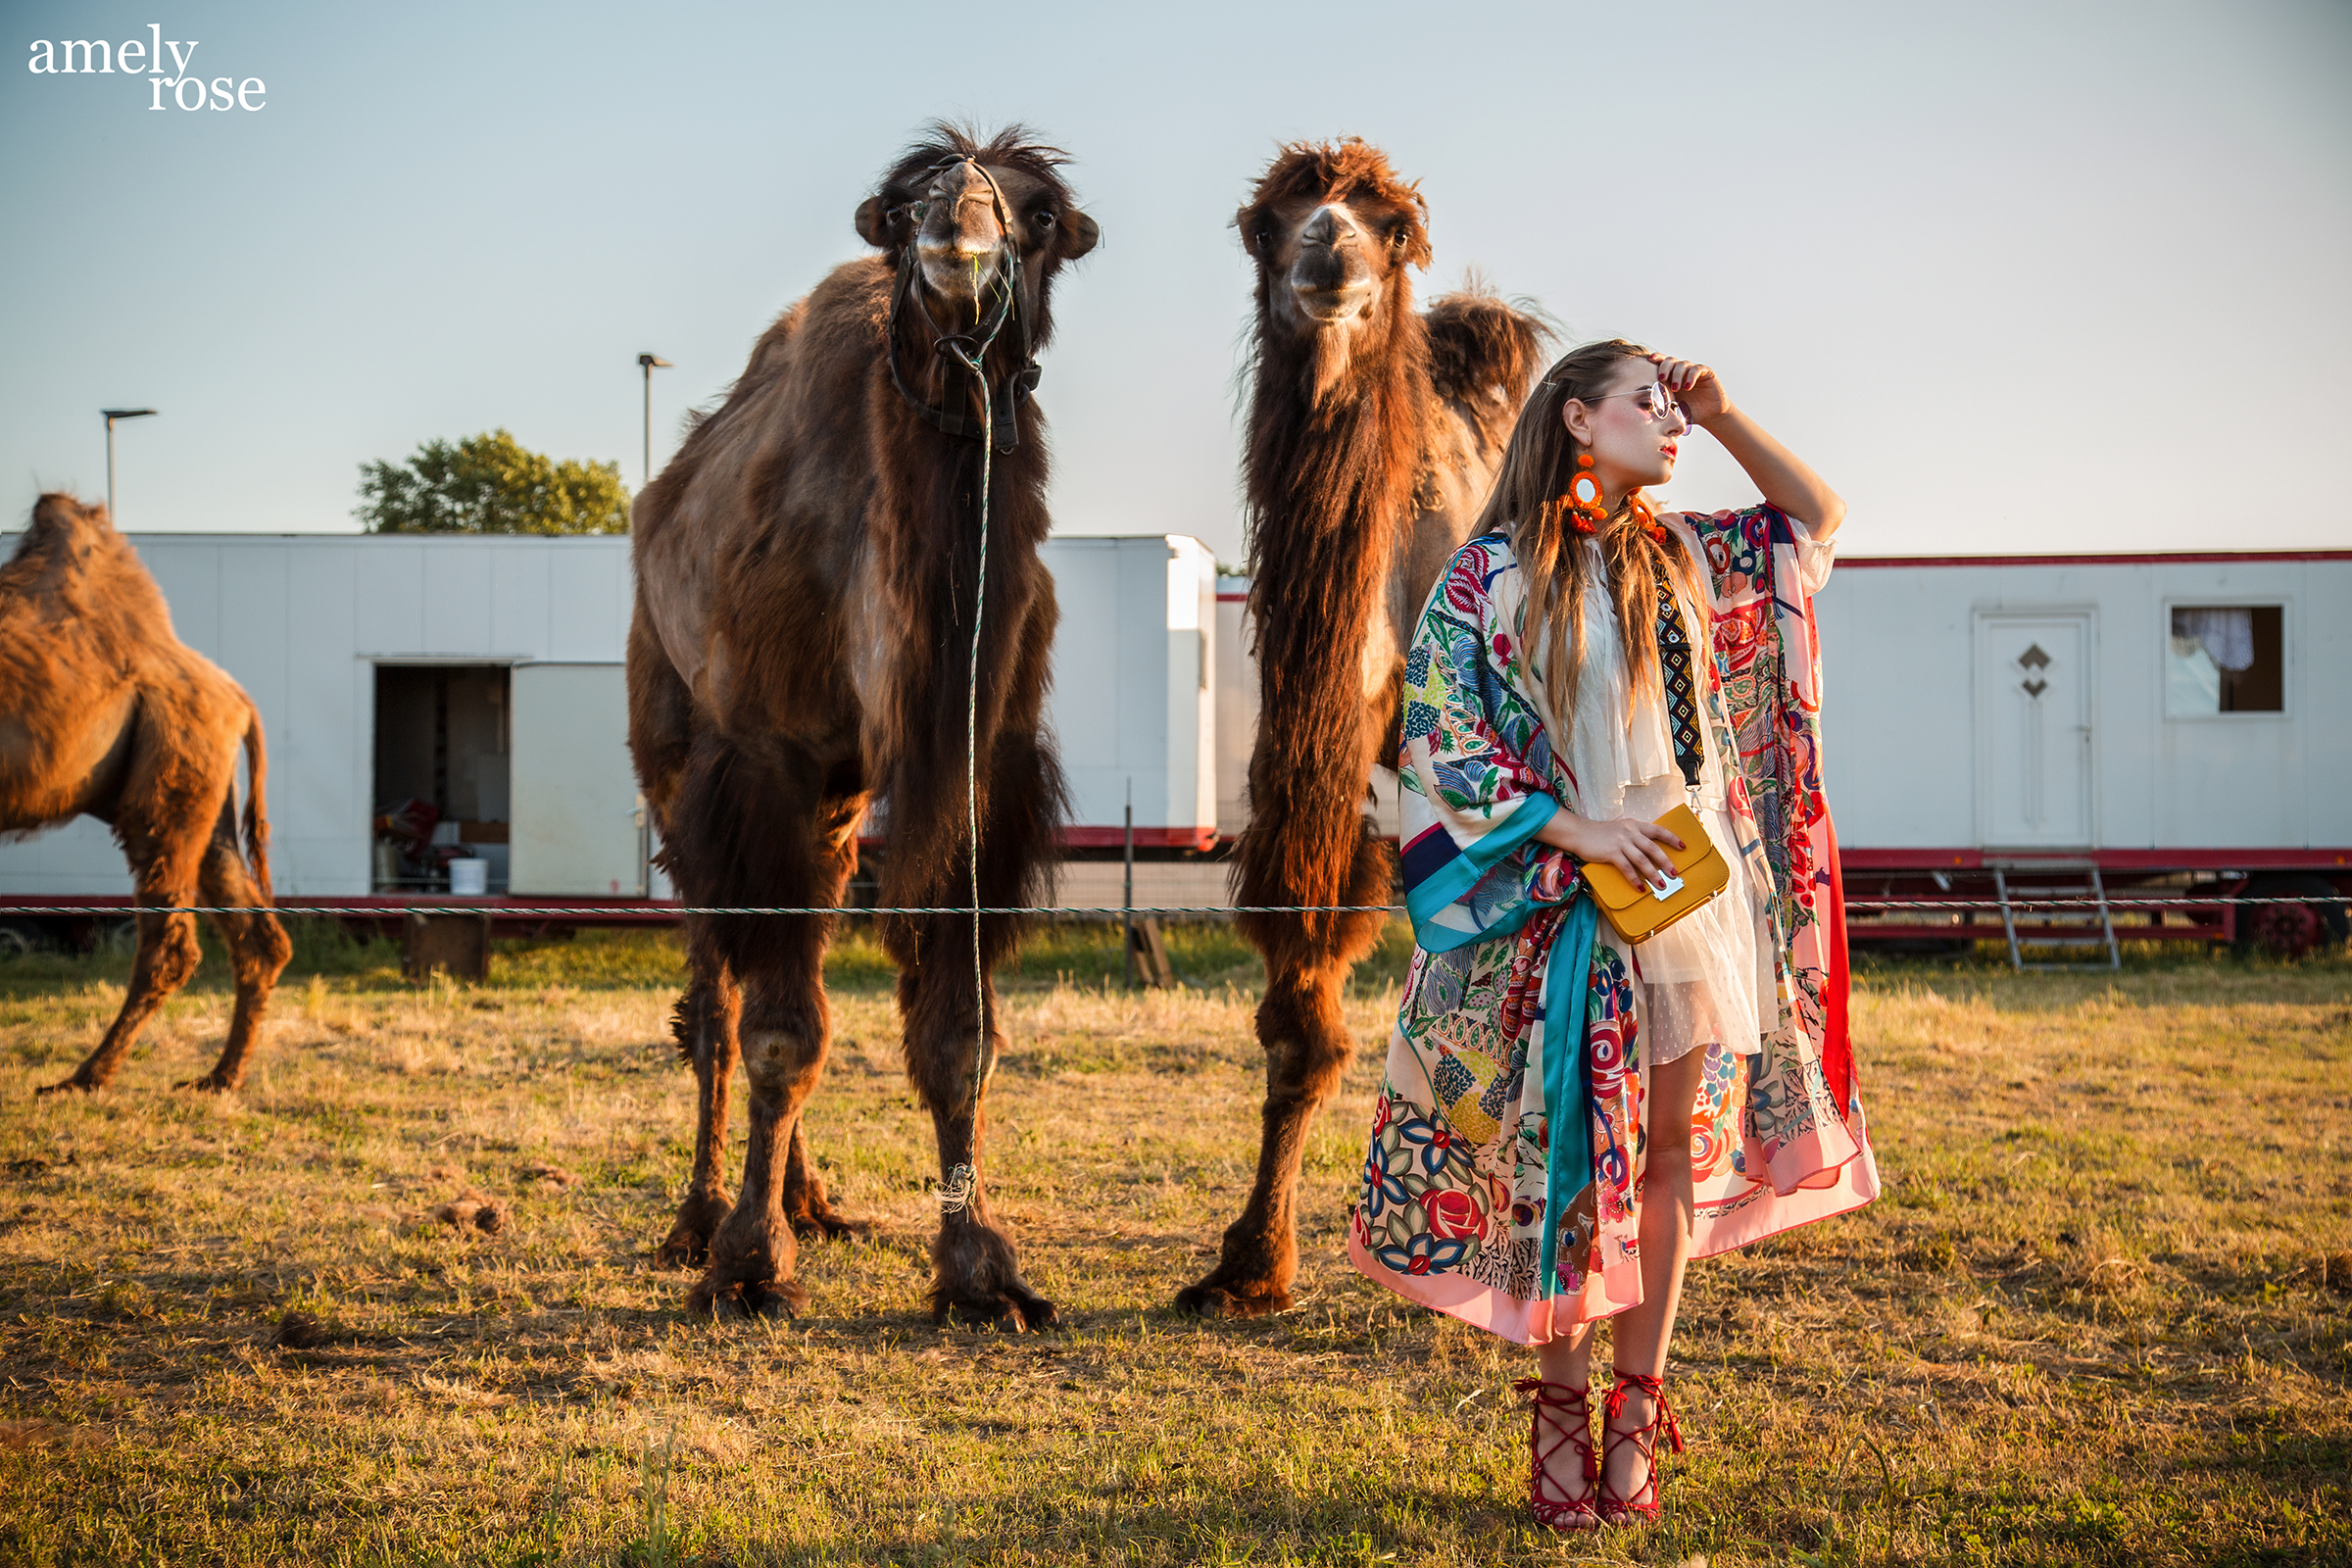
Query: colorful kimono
{"x": 1503, "y": 1180}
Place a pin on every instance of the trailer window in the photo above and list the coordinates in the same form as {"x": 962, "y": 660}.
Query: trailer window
{"x": 2224, "y": 658}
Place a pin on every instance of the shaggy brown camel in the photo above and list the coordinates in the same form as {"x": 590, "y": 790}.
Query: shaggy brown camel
{"x": 104, "y": 713}
{"x": 805, "y": 575}
{"x": 1374, "y": 433}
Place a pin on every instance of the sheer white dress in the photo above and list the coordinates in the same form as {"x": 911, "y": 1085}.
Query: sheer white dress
{"x": 1708, "y": 977}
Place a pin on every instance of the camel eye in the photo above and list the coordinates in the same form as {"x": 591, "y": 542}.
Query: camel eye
{"x": 1047, "y": 216}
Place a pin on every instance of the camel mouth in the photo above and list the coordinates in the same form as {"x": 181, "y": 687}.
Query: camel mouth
{"x": 953, "y": 273}
{"x": 1331, "y": 302}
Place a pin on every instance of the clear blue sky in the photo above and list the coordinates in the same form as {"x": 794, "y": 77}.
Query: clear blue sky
{"x": 2013, "y": 276}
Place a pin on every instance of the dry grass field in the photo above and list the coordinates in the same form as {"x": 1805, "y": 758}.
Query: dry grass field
{"x": 2100, "y": 1315}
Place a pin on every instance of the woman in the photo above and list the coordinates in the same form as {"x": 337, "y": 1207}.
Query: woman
{"x": 1567, "y": 1118}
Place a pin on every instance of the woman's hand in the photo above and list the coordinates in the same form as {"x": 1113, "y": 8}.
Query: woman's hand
{"x": 1627, "y": 843}
{"x": 1696, "y": 387}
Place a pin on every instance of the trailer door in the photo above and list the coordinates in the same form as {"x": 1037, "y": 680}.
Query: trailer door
{"x": 575, "y": 820}
{"x": 2034, "y": 718}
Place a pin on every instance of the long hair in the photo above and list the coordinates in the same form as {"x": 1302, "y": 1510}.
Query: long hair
{"x": 1529, "y": 506}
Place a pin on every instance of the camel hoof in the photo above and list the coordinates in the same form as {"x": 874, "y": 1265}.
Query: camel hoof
{"x": 1021, "y": 1311}
{"x": 1209, "y": 1300}
{"x": 71, "y": 1086}
{"x": 747, "y": 1299}
{"x": 688, "y": 1243}
{"x": 212, "y": 1083}
{"x": 824, "y": 1225}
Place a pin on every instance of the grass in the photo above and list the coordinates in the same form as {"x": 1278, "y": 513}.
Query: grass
{"x": 2100, "y": 1316}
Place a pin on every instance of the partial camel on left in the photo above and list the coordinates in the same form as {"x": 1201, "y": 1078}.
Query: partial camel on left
{"x": 105, "y": 713}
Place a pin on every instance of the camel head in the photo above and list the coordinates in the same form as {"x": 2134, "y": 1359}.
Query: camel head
{"x": 60, "y": 522}
{"x": 1332, "y": 228}
{"x": 939, "y": 199}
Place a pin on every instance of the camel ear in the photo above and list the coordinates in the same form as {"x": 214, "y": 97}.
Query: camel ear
{"x": 870, "y": 227}
{"x": 1079, "y": 235}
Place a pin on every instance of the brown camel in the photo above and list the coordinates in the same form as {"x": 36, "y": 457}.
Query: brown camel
{"x": 1374, "y": 433}
{"x": 806, "y": 576}
{"x": 104, "y": 713}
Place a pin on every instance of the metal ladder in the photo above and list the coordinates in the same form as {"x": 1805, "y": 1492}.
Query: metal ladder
{"x": 2097, "y": 888}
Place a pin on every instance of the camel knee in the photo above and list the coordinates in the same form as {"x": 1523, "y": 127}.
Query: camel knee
{"x": 782, "y": 1063}
{"x": 1305, "y": 1038}
{"x": 266, "y": 951}
{"x": 170, "y": 960}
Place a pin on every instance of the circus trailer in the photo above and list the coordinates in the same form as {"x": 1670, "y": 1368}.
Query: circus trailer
{"x": 2098, "y": 731}
{"x": 2049, "y": 745}
{"x": 450, "y": 712}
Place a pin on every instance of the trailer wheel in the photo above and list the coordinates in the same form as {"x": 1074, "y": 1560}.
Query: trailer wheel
{"x": 2293, "y": 930}
{"x": 16, "y": 941}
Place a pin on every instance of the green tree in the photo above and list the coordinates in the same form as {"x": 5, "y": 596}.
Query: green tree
{"x": 490, "y": 484}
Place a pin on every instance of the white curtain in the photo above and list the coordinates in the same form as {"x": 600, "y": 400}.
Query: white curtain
{"x": 2227, "y": 635}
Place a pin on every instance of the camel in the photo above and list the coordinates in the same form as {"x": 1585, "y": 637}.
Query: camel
{"x": 806, "y": 567}
{"x": 1374, "y": 432}
{"x": 106, "y": 714}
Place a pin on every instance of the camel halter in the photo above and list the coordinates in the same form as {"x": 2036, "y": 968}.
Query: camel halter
{"x": 962, "y": 1181}
{"x": 968, "y": 348}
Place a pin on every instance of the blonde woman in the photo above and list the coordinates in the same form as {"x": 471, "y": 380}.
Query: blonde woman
{"x": 1567, "y": 1118}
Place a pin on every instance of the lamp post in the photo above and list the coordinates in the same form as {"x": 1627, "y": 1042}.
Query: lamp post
{"x": 112, "y": 414}
{"x": 649, "y": 363}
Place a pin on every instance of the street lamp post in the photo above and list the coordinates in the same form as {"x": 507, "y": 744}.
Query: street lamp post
{"x": 112, "y": 414}
{"x": 649, "y": 363}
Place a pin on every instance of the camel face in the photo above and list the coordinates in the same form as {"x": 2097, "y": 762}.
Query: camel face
{"x": 1332, "y": 230}
{"x": 954, "y": 218}
{"x": 1334, "y": 265}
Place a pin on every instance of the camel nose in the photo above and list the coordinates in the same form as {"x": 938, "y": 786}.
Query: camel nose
{"x": 1329, "y": 227}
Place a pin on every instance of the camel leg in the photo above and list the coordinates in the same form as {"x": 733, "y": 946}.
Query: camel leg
{"x": 258, "y": 950}
{"x": 1307, "y": 1049}
{"x": 805, "y": 1204}
{"x": 708, "y": 1017}
{"x": 784, "y": 1036}
{"x": 976, "y": 1277}
{"x": 1307, "y": 1046}
{"x": 784, "y": 1029}
{"x": 167, "y": 956}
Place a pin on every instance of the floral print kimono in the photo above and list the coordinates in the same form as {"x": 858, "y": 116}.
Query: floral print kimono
{"x": 1504, "y": 1177}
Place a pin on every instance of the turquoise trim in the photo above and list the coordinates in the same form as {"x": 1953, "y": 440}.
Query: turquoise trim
{"x": 1425, "y": 902}
{"x": 1567, "y": 1074}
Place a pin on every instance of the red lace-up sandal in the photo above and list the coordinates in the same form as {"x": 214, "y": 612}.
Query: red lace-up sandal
{"x": 1568, "y": 1413}
{"x": 1618, "y": 1510}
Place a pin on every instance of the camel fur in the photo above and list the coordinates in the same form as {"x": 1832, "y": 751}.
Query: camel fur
{"x": 104, "y": 713}
{"x": 1374, "y": 433}
{"x": 805, "y": 574}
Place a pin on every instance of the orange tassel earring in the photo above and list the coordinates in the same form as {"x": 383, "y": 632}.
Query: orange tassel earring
{"x": 1583, "y": 499}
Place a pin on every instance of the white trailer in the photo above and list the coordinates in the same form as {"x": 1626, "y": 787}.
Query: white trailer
{"x": 1997, "y": 727}
{"x": 484, "y": 676}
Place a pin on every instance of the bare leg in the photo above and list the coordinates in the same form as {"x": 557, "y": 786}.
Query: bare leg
{"x": 258, "y": 950}
{"x": 1641, "y": 1333}
{"x": 707, "y": 1018}
{"x": 168, "y": 957}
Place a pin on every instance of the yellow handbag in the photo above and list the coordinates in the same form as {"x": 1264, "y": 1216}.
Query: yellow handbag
{"x": 1637, "y": 912}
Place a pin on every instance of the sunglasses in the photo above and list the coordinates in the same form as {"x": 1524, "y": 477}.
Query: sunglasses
{"x": 1653, "y": 400}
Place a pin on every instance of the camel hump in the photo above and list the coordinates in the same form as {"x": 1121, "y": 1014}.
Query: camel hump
{"x": 1482, "y": 347}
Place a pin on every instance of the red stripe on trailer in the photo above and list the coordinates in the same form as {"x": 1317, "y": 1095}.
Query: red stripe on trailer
{"x": 2158, "y": 558}
{"x": 2140, "y": 860}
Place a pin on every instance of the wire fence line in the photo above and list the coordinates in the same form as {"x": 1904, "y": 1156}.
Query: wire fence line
{"x": 382, "y": 911}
